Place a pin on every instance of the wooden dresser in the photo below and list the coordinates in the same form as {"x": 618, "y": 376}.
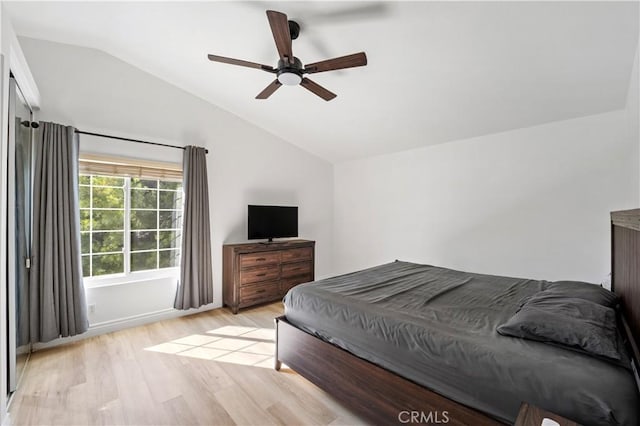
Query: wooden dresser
{"x": 255, "y": 273}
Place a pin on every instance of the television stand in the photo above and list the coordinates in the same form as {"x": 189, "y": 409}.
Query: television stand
{"x": 254, "y": 273}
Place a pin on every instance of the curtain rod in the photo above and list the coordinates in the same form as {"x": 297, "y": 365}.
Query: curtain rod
{"x": 132, "y": 140}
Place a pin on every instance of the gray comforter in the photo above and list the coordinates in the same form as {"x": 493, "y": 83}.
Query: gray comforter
{"x": 437, "y": 327}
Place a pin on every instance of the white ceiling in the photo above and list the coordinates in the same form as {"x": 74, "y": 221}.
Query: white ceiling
{"x": 438, "y": 71}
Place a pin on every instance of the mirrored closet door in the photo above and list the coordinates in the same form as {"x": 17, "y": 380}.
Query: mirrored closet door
{"x": 21, "y": 133}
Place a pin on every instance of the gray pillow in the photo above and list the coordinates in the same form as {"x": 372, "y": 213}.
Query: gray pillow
{"x": 582, "y": 290}
{"x": 577, "y": 324}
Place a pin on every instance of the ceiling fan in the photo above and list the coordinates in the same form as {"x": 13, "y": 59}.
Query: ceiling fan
{"x": 290, "y": 70}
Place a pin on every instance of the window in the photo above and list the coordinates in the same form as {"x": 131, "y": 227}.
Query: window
{"x": 129, "y": 224}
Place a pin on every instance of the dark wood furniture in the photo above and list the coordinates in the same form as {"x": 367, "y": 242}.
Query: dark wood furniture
{"x": 625, "y": 270}
{"x": 375, "y": 393}
{"x": 254, "y": 273}
{"x": 530, "y": 415}
{"x": 380, "y": 395}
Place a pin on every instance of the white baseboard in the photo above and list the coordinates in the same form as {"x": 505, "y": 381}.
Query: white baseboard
{"x": 24, "y": 349}
{"x": 123, "y": 323}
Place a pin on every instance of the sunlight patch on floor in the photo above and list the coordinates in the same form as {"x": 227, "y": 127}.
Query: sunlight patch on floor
{"x": 168, "y": 348}
{"x": 229, "y": 343}
{"x": 203, "y": 353}
{"x": 235, "y": 330}
{"x": 250, "y": 346}
{"x": 196, "y": 340}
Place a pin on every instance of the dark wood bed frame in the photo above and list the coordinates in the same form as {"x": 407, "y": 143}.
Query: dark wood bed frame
{"x": 380, "y": 395}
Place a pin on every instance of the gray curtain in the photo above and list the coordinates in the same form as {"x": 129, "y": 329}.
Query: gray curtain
{"x": 57, "y": 300}
{"x": 196, "y": 279}
{"x": 23, "y": 198}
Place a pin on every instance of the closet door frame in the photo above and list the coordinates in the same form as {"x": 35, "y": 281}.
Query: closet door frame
{"x": 12, "y": 320}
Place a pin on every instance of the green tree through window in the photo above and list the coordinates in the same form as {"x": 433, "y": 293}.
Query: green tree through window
{"x": 129, "y": 224}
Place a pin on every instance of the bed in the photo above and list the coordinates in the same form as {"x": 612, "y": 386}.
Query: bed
{"x": 402, "y": 338}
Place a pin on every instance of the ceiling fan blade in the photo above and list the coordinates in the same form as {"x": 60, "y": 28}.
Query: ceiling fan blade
{"x": 317, "y": 89}
{"x": 268, "y": 91}
{"x": 240, "y": 62}
{"x": 280, "y": 29}
{"x": 349, "y": 61}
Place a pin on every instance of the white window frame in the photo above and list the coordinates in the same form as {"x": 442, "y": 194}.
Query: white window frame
{"x": 128, "y": 276}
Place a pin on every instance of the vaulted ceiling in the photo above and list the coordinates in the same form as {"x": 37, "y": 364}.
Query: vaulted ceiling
{"x": 437, "y": 72}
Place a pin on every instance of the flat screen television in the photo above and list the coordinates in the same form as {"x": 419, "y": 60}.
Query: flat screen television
{"x": 269, "y": 222}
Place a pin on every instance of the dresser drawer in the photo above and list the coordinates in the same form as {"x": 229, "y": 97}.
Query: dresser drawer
{"x": 257, "y": 259}
{"x": 262, "y": 291}
{"x": 295, "y": 269}
{"x": 264, "y": 273}
{"x": 289, "y": 283}
{"x": 303, "y": 253}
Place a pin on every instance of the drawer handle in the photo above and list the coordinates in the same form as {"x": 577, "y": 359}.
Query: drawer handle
{"x": 261, "y": 259}
{"x": 261, "y": 275}
{"x": 261, "y": 291}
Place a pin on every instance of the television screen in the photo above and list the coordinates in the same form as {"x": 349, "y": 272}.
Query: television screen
{"x": 268, "y": 222}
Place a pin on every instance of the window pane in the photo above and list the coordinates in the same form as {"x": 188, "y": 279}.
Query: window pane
{"x": 108, "y": 198}
{"x": 143, "y": 240}
{"x": 84, "y": 196}
{"x": 155, "y": 220}
{"x": 143, "y": 183}
{"x": 85, "y": 220}
{"x": 85, "y": 242}
{"x": 104, "y": 264}
{"x": 108, "y": 220}
{"x": 169, "y": 239}
{"x": 144, "y": 219}
{"x": 170, "y": 219}
{"x": 108, "y": 181}
{"x": 142, "y": 261}
{"x": 177, "y": 186}
{"x": 86, "y": 266}
{"x": 169, "y": 258}
{"x": 144, "y": 199}
{"x": 108, "y": 241}
{"x": 170, "y": 199}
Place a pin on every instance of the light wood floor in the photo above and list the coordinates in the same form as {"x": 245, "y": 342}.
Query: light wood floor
{"x": 213, "y": 368}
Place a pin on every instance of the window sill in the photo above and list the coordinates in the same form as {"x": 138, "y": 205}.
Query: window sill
{"x": 132, "y": 278}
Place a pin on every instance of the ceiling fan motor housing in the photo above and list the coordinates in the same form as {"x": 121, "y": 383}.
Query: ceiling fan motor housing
{"x": 285, "y": 71}
{"x": 285, "y": 66}
{"x": 294, "y": 29}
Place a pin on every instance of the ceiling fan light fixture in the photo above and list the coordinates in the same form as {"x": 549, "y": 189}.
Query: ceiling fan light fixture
{"x": 289, "y": 78}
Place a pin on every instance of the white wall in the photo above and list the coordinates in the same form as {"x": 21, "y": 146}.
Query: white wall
{"x": 633, "y": 100}
{"x": 97, "y": 92}
{"x": 532, "y": 202}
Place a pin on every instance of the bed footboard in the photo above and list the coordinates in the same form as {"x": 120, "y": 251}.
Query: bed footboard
{"x": 371, "y": 391}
